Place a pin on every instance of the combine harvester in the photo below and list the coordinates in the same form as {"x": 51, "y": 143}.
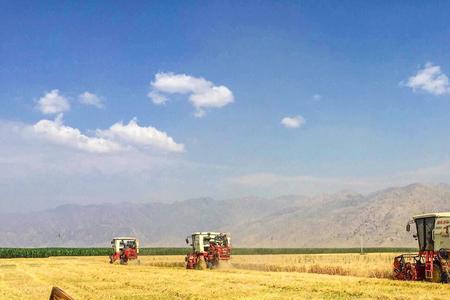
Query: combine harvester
{"x": 432, "y": 261}
{"x": 208, "y": 250}
{"x": 125, "y": 249}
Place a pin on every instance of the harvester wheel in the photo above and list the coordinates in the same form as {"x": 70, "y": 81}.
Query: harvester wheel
{"x": 216, "y": 262}
{"x": 201, "y": 264}
{"x": 123, "y": 261}
{"x": 439, "y": 275}
{"x": 436, "y": 273}
{"x": 444, "y": 277}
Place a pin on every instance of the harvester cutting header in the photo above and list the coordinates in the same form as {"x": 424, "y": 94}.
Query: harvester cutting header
{"x": 432, "y": 261}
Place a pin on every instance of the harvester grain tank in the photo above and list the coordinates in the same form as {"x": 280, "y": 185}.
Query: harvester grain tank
{"x": 432, "y": 261}
{"x": 125, "y": 249}
{"x": 209, "y": 249}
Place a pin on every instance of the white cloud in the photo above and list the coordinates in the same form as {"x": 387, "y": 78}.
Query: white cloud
{"x": 293, "y": 122}
{"x": 91, "y": 99}
{"x": 141, "y": 136}
{"x": 157, "y": 98}
{"x": 179, "y": 83}
{"x": 216, "y": 96}
{"x": 53, "y": 103}
{"x": 429, "y": 79}
{"x": 117, "y": 137}
{"x": 202, "y": 93}
{"x": 58, "y": 133}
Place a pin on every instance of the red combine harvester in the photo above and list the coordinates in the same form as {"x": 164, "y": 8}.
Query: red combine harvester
{"x": 432, "y": 261}
{"x": 208, "y": 250}
{"x": 125, "y": 249}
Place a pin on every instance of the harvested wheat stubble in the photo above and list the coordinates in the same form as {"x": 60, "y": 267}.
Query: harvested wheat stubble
{"x": 9, "y": 266}
{"x": 97, "y": 279}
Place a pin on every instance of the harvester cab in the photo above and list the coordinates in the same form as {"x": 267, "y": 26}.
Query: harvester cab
{"x": 208, "y": 250}
{"x": 125, "y": 248}
{"x": 432, "y": 261}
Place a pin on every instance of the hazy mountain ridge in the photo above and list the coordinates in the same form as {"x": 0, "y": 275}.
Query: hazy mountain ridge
{"x": 330, "y": 220}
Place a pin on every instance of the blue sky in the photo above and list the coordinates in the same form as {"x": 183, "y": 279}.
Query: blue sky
{"x": 349, "y": 71}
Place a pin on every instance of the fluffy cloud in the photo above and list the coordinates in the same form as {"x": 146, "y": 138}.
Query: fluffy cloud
{"x": 117, "y": 137}
{"x": 202, "y": 93}
{"x": 429, "y": 79}
{"x": 91, "y": 99}
{"x": 58, "y": 133}
{"x": 134, "y": 134}
{"x": 53, "y": 103}
{"x": 293, "y": 122}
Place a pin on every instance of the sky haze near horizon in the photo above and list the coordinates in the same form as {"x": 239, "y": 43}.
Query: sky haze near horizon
{"x": 111, "y": 102}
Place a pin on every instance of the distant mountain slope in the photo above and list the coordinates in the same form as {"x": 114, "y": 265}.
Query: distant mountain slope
{"x": 335, "y": 220}
{"x": 379, "y": 218}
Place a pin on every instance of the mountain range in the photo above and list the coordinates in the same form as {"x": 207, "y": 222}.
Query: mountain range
{"x": 342, "y": 219}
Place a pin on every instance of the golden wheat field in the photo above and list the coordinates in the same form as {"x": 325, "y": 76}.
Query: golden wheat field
{"x": 324, "y": 276}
